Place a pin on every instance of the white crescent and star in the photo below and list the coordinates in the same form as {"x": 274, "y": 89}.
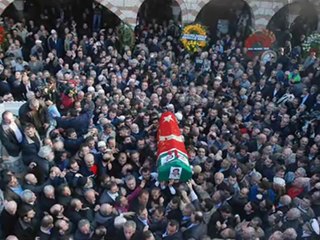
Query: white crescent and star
{"x": 168, "y": 118}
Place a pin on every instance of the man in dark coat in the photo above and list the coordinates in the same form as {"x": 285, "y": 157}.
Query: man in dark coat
{"x": 79, "y": 122}
{"x": 42, "y": 163}
{"x": 44, "y": 232}
{"x": 141, "y": 219}
{"x": 31, "y": 144}
{"x": 26, "y": 225}
{"x": 35, "y": 113}
{"x": 83, "y": 232}
{"x": 105, "y": 216}
{"x": 129, "y": 232}
{"x": 172, "y": 232}
{"x": 197, "y": 229}
{"x": 73, "y": 141}
{"x": 8, "y": 218}
{"x": 11, "y": 134}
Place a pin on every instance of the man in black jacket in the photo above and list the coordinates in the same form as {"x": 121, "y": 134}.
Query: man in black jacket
{"x": 129, "y": 232}
{"x": 73, "y": 141}
{"x": 141, "y": 219}
{"x": 45, "y": 228}
{"x": 8, "y": 218}
{"x": 31, "y": 144}
{"x": 36, "y": 113}
{"x": 197, "y": 229}
{"x": 83, "y": 232}
{"x": 172, "y": 232}
{"x": 11, "y": 134}
{"x": 26, "y": 225}
{"x": 79, "y": 122}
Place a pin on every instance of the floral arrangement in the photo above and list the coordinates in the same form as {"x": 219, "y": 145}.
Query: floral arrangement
{"x": 259, "y": 41}
{"x": 126, "y": 36}
{"x": 312, "y": 44}
{"x": 2, "y": 35}
{"x": 194, "y": 37}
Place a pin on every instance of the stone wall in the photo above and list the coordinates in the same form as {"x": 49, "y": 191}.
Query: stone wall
{"x": 126, "y": 10}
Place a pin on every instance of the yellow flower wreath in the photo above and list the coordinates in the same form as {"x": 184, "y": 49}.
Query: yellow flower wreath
{"x": 194, "y": 37}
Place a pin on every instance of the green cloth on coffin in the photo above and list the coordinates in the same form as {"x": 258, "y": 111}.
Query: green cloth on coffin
{"x": 176, "y": 170}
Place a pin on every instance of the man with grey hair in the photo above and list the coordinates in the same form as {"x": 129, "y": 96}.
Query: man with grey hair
{"x": 105, "y": 215}
{"x": 48, "y": 198}
{"x": 293, "y": 218}
{"x": 131, "y": 184}
{"x": 129, "y": 231}
{"x": 277, "y": 235}
{"x": 48, "y": 190}
{"x": 290, "y": 234}
{"x": 42, "y": 163}
{"x": 248, "y": 233}
{"x": 28, "y": 197}
{"x": 8, "y": 217}
{"x": 36, "y": 113}
{"x": 304, "y": 206}
{"x": 12, "y": 237}
{"x": 83, "y": 231}
{"x": 284, "y": 203}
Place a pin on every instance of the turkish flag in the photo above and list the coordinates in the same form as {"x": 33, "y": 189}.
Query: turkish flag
{"x": 169, "y": 134}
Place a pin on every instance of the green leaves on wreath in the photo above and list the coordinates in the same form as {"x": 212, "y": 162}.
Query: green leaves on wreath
{"x": 126, "y": 35}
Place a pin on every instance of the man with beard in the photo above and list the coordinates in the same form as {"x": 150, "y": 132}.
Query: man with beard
{"x": 26, "y": 225}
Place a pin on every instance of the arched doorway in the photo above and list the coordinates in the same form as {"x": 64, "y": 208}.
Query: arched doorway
{"x": 159, "y": 11}
{"x": 293, "y": 20}
{"x": 226, "y": 17}
{"x": 49, "y": 12}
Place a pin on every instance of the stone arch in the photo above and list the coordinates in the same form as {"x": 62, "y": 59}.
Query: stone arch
{"x": 236, "y": 16}
{"x": 126, "y": 10}
{"x": 4, "y": 4}
{"x": 293, "y": 20}
{"x": 190, "y": 9}
{"x": 264, "y": 10}
{"x": 173, "y": 3}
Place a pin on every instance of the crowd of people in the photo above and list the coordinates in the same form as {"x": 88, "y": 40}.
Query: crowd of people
{"x": 87, "y": 137}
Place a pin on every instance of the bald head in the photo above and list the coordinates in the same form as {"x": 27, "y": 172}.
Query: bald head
{"x": 89, "y": 160}
{"x": 56, "y": 209}
{"x": 12, "y": 237}
{"x": 10, "y": 207}
{"x": 285, "y": 200}
{"x": 290, "y": 234}
{"x": 218, "y": 178}
{"x": 90, "y": 196}
{"x": 106, "y": 209}
{"x": 30, "y": 178}
{"x": 277, "y": 235}
{"x": 293, "y": 214}
{"x": 262, "y": 138}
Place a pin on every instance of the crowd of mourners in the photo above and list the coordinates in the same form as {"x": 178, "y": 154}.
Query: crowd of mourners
{"x": 87, "y": 137}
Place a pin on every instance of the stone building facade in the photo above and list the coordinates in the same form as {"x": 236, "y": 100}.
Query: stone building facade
{"x": 261, "y": 10}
